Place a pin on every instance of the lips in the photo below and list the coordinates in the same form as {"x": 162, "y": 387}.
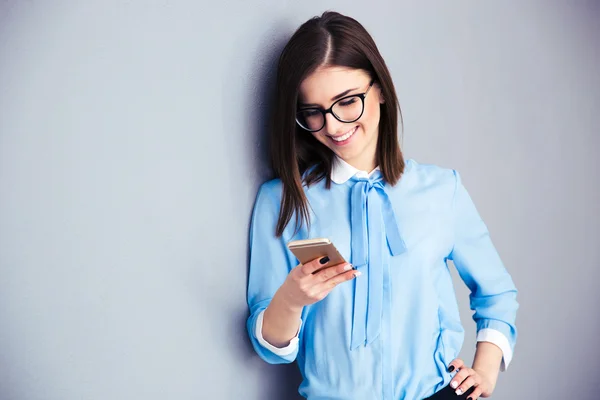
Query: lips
{"x": 345, "y": 136}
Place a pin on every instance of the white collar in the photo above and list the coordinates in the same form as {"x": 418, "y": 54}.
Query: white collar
{"x": 341, "y": 171}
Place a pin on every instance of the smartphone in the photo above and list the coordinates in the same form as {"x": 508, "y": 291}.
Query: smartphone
{"x": 309, "y": 249}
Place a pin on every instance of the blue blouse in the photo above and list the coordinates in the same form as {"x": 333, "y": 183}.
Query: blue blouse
{"x": 391, "y": 332}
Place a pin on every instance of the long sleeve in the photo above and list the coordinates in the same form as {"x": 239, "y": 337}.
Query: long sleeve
{"x": 493, "y": 293}
{"x": 269, "y": 267}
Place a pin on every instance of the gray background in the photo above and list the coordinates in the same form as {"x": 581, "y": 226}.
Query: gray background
{"x": 132, "y": 145}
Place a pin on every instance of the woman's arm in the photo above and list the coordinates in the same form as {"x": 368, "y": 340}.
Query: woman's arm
{"x": 281, "y": 321}
{"x": 493, "y": 293}
{"x": 493, "y": 298}
{"x": 486, "y": 362}
{"x": 269, "y": 268}
{"x": 482, "y": 377}
{"x": 276, "y": 292}
{"x": 301, "y": 288}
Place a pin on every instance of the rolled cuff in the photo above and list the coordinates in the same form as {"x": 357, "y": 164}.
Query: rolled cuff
{"x": 280, "y": 351}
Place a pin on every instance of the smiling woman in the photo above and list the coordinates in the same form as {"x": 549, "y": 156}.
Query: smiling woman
{"x": 318, "y": 68}
{"x": 342, "y": 138}
{"x": 387, "y": 325}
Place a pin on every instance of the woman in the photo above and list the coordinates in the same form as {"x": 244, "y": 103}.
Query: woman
{"x": 387, "y": 326}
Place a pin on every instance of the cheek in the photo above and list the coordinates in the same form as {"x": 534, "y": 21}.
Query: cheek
{"x": 371, "y": 117}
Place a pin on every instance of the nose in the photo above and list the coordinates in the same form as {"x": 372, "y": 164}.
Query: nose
{"x": 332, "y": 125}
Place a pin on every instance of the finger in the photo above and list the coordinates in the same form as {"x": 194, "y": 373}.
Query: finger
{"x": 338, "y": 279}
{"x": 456, "y": 364}
{"x": 476, "y": 393}
{"x": 312, "y": 266}
{"x": 458, "y": 379}
{"x": 467, "y": 384}
{"x": 329, "y": 272}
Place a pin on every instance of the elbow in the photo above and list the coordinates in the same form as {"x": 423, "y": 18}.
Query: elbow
{"x": 498, "y": 312}
{"x": 268, "y": 353}
{"x": 270, "y": 357}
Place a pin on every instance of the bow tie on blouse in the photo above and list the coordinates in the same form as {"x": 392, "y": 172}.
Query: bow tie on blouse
{"x": 373, "y": 221}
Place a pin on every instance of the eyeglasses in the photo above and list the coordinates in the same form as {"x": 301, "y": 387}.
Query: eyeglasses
{"x": 347, "y": 109}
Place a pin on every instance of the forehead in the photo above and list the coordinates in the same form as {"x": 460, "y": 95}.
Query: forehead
{"x": 327, "y": 82}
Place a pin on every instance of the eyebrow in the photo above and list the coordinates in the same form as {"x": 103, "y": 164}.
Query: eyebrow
{"x": 334, "y": 98}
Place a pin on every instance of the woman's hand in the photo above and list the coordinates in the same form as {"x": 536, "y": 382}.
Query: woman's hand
{"x": 304, "y": 286}
{"x": 466, "y": 378}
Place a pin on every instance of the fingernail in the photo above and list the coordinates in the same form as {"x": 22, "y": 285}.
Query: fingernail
{"x": 348, "y": 267}
{"x": 451, "y": 368}
{"x": 459, "y": 392}
{"x": 357, "y": 273}
{"x": 324, "y": 260}
{"x": 353, "y": 267}
{"x": 454, "y": 384}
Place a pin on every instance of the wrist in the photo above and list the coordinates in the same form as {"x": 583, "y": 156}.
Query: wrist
{"x": 488, "y": 373}
{"x": 488, "y": 358}
{"x": 286, "y": 303}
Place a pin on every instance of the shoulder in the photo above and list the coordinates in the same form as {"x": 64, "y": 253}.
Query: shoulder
{"x": 269, "y": 194}
{"x": 272, "y": 188}
{"x": 430, "y": 175}
{"x": 429, "y": 185}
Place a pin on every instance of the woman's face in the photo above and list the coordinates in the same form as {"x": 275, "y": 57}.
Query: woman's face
{"x": 356, "y": 142}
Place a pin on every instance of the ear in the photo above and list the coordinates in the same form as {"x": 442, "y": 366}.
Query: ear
{"x": 380, "y": 94}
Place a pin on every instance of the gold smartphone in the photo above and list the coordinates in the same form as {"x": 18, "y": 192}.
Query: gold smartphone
{"x": 309, "y": 249}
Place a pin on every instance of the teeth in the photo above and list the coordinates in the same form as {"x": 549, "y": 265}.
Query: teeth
{"x": 344, "y": 137}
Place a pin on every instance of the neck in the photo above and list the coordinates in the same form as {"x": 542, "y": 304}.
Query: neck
{"x": 366, "y": 164}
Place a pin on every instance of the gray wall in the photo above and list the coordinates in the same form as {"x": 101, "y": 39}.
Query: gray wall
{"x": 132, "y": 145}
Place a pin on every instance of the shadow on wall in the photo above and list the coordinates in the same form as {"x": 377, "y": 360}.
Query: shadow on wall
{"x": 258, "y": 91}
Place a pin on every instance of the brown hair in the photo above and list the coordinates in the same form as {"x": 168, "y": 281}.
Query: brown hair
{"x": 336, "y": 40}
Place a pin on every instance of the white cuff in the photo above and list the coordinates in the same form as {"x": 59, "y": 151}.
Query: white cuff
{"x": 284, "y": 351}
{"x": 497, "y": 338}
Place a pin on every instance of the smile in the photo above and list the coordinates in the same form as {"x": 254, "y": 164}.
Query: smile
{"x": 345, "y": 136}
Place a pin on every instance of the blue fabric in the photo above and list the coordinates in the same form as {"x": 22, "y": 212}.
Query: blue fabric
{"x": 367, "y": 255}
{"x": 391, "y": 332}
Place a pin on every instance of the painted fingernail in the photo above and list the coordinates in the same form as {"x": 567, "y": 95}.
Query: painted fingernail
{"x": 454, "y": 384}
{"x": 451, "y": 368}
{"x": 324, "y": 260}
{"x": 357, "y": 273}
{"x": 459, "y": 392}
{"x": 347, "y": 267}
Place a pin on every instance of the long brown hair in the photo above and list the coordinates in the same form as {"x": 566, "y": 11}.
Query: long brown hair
{"x": 333, "y": 40}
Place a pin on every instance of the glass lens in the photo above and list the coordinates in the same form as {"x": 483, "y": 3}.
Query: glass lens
{"x": 311, "y": 120}
{"x": 348, "y": 109}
